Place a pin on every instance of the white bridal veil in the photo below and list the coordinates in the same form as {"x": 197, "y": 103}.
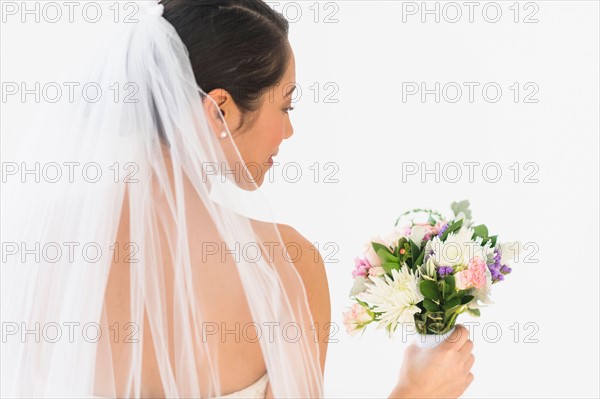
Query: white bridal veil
{"x": 118, "y": 267}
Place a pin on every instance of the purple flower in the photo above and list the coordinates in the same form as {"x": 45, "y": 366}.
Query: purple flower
{"x": 444, "y": 228}
{"x": 497, "y": 269}
{"x": 505, "y": 269}
{"x": 443, "y": 271}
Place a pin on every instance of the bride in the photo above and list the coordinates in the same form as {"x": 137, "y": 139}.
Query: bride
{"x": 187, "y": 296}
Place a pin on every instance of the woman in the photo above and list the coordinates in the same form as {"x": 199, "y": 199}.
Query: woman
{"x": 183, "y": 305}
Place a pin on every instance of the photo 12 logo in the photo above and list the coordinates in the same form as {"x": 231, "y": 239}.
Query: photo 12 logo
{"x": 470, "y": 92}
{"x": 69, "y": 172}
{"x": 453, "y": 12}
{"x": 470, "y": 171}
{"x": 54, "y": 12}
{"x": 69, "y": 92}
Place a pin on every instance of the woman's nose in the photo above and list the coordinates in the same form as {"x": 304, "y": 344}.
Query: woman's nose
{"x": 289, "y": 131}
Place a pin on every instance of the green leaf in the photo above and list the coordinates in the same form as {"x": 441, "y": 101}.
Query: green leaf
{"x": 480, "y": 231}
{"x": 474, "y": 312}
{"x": 466, "y": 299}
{"x": 377, "y": 246}
{"x": 414, "y": 251}
{"x": 494, "y": 239}
{"x": 364, "y": 304}
{"x": 430, "y": 305}
{"x": 430, "y": 290}
{"x": 419, "y": 260}
{"x": 387, "y": 256}
{"x": 451, "y": 229}
{"x": 456, "y": 225}
{"x": 462, "y": 206}
{"x": 450, "y": 285}
{"x": 389, "y": 266}
{"x": 451, "y": 303}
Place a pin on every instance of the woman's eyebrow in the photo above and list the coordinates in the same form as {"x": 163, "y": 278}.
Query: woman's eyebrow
{"x": 290, "y": 90}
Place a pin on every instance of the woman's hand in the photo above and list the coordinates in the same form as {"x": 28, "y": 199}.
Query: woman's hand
{"x": 440, "y": 372}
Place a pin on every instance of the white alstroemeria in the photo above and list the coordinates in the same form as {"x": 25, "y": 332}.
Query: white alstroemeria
{"x": 418, "y": 233}
{"x": 458, "y": 248}
{"x": 395, "y": 298}
{"x": 359, "y": 286}
{"x": 428, "y": 269}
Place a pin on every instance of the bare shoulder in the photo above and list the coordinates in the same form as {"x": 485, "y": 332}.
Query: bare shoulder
{"x": 292, "y": 237}
{"x": 307, "y": 259}
{"x": 311, "y": 269}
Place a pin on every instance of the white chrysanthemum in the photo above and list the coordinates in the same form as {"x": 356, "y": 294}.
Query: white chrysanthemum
{"x": 396, "y": 298}
{"x": 458, "y": 249}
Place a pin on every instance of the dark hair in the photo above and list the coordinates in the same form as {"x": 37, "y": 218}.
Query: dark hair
{"x": 240, "y": 46}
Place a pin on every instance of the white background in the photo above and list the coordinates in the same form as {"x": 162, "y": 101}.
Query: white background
{"x": 370, "y": 134}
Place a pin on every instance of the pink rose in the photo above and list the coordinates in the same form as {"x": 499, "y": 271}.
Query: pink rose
{"x": 463, "y": 279}
{"x": 474, "y": 276}
{"x": 370, "y": 253}
{"x": 356, "y": 318}
{"x": 477, "y": 266}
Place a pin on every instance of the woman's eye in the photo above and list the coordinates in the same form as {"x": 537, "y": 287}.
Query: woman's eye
{"x": 288, "y": 109}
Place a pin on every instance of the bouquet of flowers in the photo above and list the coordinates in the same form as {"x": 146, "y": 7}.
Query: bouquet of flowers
{"x": 427, "y": 273}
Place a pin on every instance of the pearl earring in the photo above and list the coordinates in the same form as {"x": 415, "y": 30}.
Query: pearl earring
{"x": 223, "y": 134}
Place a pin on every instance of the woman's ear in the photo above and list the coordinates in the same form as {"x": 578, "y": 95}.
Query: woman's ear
{"x": 214, "y": 114}
{"x": 226, "y": 108}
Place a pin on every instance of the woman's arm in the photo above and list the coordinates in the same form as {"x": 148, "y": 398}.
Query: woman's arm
{"x": 311, "y": 268}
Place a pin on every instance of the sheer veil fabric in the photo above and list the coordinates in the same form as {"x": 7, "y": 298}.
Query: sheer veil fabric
{"x": 139, "y": 271}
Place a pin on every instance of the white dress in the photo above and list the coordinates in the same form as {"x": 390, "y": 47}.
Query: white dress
{"x": 257, "y": 390}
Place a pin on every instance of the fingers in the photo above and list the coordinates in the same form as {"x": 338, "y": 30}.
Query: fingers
{"x": 469, "y": 362}
{"x": 465, "y": 385}
{"x": 467, "y": 347}
{"x": 458, "y": 338}
{"x": 470, "y": 379}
